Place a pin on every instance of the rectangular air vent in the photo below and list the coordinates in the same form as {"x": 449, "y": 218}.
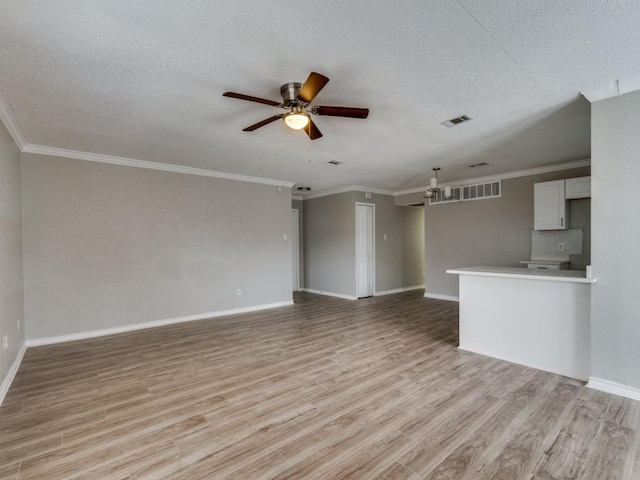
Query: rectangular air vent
{"x": 466, "y": 193}
{"x": 333, "y": 163}
{"x": 457, "y": 121}
{"x": 480, "y": 191}
{"x": 481, "y": 164}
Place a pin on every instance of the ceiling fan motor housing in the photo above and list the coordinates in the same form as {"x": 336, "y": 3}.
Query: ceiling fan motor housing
{"x": 289, "y": 92}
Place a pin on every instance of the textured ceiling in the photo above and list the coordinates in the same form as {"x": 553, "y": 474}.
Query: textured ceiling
{"x": 144, "y": 80}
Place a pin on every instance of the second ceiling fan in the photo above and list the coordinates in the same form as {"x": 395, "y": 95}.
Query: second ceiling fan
{"x": 296, "y": 98}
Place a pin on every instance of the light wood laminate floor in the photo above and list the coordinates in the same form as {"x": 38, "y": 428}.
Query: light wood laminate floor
{"x": 327, "y": 388}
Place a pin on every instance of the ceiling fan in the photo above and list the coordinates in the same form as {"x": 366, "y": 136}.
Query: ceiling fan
{"x": 296, "y": 98}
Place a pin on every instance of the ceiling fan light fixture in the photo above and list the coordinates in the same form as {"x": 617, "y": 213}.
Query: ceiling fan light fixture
{"x": 296, "y": 101}
{"x": 296, "y": 120}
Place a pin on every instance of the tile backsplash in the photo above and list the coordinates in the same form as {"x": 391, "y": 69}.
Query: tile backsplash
{"x": 544, "y": 244}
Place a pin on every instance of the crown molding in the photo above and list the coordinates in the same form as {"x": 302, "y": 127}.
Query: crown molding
{"x": 131, "y": 162}
{"x": 619, "y": 87}
{"x": 504, "y": 176}
{"x": 297, "y": 197}
{"x": 10, "y": 122}
{"x": 613, "y": 89}
{"x": 349, "y": 188}
{"x": 492, "y": 178}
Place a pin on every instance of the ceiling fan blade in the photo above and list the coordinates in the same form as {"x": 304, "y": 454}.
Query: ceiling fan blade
{"x": 315, "y": 82}
{"x": 312, "y": 130}
{"x": 342, "y": 112}
{"x": 241, "y": 96}
{"x": 267, "y": 121}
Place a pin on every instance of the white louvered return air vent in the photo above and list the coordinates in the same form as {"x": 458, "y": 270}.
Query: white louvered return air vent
{"x": 479, "y": 191}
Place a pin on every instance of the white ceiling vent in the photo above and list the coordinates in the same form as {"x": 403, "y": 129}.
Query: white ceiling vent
{"x": 333, "y": 163}
{"x": 481, "y": 164}
{"x": 457, "y": 121}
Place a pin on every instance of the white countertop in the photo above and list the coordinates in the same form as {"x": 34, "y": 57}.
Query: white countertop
{"x": 576, "y": 276}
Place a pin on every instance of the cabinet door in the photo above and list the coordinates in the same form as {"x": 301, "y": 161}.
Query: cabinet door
{"x": 549, "y": 209}
{"x": 579, "y": 187}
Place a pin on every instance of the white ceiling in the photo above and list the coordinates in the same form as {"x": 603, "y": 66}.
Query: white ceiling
{"x": 144, "y": 80}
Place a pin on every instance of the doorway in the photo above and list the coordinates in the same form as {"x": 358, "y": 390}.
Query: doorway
{"x": 295, "y": 250}
{"x": 365, "y": 250}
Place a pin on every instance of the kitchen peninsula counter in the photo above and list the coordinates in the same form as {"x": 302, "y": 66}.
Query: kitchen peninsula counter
{"x": 537, "y": 318}
{"x": 577, "y": 276}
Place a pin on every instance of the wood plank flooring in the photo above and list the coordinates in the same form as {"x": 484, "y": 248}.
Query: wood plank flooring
{"x": 327, "y": 388}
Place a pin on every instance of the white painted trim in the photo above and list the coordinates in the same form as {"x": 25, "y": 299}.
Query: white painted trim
{"x": 155, "y": 323}
{"x": 614, "y": 388}
{"x": 613, "y": 89}
{"x": 349, "y": 188}
{"x": 600, "y": 93}
{"x": 296, "y": 197}
{"x": 470, "y": 181}
{"x": 330, "y": 294}
{"x": 10, "y": 122}
{"x": 628, "y": 85}
{"x": 398, "y": 290}
{"x": 6, "y": 383}
{"x": 437, "y": 296}
{"x": 132, "y": 162}
{"x": 504, "y": 176}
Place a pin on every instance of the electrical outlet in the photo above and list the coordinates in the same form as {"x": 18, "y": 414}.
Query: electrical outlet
{"x": 561, "y": 247}
{"x": 284, "y": 237}
{"x": 239, "y": 292}
{"x": 5, "y": 342}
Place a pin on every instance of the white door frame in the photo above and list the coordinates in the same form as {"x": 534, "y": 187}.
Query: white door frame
{"x": 295, "y": 246}
{"x": 373, "y": 239}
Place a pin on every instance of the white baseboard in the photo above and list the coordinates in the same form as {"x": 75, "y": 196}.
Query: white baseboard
{"x": 6, "y": 383}
{"x": 398, "y": 290}
{"x": 614, "y": 388}
{"x": 437, "y": 296}
{"x": 156, "y": 323}
{"x": 331, "y": 294}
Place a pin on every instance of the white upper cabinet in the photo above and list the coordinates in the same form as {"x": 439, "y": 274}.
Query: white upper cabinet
{"x": 550, "y": 206}
{"x": 579, "y": 187}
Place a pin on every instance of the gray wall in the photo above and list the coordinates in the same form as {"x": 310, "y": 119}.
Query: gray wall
{"x": 11, "y": 282}
{"x": 615, "y": 317}
{"x": 330, "y": 243}
{"x": 299, "y": 205}
{"x": 107, "y": 245}
{"x": 413, "y": 246}
{"x": 580, "y": 217}
{"x": 495, "y": 232}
